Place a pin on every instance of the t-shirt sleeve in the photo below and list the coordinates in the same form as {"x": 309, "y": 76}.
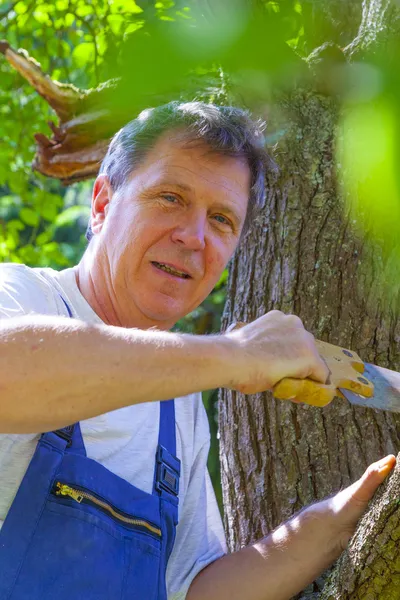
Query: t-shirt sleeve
{"x": 23, "y": 292}
{"x": 200, "y": 538}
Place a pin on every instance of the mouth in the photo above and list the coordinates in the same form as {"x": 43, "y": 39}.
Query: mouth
{"x": 171, "y": 270}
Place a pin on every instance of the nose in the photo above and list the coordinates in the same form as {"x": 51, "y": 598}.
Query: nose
{"x": 190, "y": 232}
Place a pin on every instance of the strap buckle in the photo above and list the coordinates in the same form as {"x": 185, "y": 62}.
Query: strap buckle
{"x": 168, "y": 472}
{"x": 66, "y": 434}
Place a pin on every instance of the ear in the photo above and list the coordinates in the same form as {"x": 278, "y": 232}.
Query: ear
{"x": 101, "y": 198}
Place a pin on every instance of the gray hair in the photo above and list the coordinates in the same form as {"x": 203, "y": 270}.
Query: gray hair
{"x": 225, "y": 129}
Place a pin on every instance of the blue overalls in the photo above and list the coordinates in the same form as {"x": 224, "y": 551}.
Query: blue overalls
{"x": 77, "y": 531}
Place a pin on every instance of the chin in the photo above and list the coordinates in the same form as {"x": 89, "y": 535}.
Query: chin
{"x": 164, "y": 314}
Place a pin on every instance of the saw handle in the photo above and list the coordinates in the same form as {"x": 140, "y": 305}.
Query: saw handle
{"x": 304, "y": 391}
{"x": 345, "y": 367}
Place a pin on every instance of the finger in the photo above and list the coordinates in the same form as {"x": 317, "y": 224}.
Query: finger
{"x": 319, "y": 370}
{"x": 294, "y": 321}
{"x": 315, "y": 366}
{"x": 272, "y": 315}
{"x": 353, "y": 501}
{"x": 235, "y": 325}
{"x": 304, "y": 391}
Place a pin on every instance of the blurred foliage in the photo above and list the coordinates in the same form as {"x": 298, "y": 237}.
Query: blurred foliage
{"x": 204, "y": 48}
{"x": 368, "y": 158}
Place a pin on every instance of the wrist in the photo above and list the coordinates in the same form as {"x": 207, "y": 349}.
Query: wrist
{"x": 228, "y": 351}
{"x": 209, "y": 358}
{"x": 322, "y": 523}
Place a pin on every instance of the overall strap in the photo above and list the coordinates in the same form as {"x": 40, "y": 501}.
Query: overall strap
{"x": 168, "y": 466}
{"x": 67, "y": 306}
{"x": 166, "y": 434}
{"x": 70, "y": 435}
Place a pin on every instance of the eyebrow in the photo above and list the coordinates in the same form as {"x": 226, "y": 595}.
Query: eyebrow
{"x": 220, "y": 206}
{"x": 180, "y": 186}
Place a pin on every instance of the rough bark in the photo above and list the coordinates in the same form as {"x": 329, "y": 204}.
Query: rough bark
{"x": 302, "y": 257}
{"x": 379, "y": 24}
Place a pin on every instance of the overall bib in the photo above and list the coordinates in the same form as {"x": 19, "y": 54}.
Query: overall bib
{"x": 77, "y": 531}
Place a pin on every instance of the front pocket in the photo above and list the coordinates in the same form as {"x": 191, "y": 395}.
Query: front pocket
{"x": 85, "y": 548}
{"x": 82, "y": 495}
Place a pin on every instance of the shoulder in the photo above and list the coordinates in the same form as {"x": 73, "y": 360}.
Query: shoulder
{"x": 24, "y": 290}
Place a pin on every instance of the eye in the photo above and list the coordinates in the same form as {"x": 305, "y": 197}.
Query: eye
{"x": 170, "y": 198}
{"x": 223, "y": 220}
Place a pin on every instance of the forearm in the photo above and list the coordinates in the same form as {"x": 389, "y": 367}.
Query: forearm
{"x": 275, "y": 568}
{"x": 54, "y": 371}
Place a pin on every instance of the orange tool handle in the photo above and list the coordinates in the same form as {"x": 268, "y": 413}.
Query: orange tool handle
{"x": 345, "y": 367}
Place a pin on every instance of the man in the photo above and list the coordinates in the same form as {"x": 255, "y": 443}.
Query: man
{"x": 95, "y": 515}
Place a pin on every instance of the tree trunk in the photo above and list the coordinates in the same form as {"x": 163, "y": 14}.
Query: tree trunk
{"x": 303, "y": 257}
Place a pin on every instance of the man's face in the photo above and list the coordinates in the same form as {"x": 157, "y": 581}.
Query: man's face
{"x": 167, "y": 235}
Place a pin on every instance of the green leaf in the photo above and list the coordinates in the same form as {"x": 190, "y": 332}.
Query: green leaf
{"x": 41, "y": 16}
{"x": 116, "y": 22}
{"x": 69, "y": 19}
{"x": 84, "y": 10}
{"x": 48, "y": 211}
{"x": 20, "y": 8}
{"x": 12, "y": 240}
{"x": 71, "y": 215}
{"x": 15, "y": 225}
{"x": 133, "y": 27}
{"x": 29, "y": 255}
{"x": 62, "y": 5}
{"x": 43, "y": 238}
{"x": 83, "y": 54}
{"x": 29, "y": 216}
{"x": 52, "y": 252}
{"x": 125, "y": 6}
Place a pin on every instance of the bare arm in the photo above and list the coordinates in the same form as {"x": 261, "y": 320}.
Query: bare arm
{"x": 285, "y": 562}
{"x": 55, "y": 371}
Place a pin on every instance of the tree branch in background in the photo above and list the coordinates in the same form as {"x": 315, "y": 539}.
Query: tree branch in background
{"x": 80, "y": 140}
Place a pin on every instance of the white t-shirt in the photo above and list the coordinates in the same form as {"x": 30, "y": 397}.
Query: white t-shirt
{"x": 124, "y": 440}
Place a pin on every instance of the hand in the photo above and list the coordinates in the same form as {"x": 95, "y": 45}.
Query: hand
{"x": 271, "y": 348}
{"x": 287, "y": 560}
{"x": 342, "y": 512}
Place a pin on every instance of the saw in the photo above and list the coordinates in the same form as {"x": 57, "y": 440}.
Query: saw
{"x": 360, "y": 383}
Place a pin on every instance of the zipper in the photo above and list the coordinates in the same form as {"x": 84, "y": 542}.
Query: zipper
{"x": 80, "y": 495}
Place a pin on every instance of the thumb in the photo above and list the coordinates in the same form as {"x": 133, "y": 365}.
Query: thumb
{"x": 350, "y": 504}
{"x": 352, "y": 501}
{"x": 362, "y": 490}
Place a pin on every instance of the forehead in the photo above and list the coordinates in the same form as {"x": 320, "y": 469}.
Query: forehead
{"x": 195, "y": 166}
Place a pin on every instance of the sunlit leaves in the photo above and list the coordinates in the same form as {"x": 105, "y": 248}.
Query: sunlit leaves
{"x": 71, "y": 215}
{"x": 124, "y": 6}
{"x": 368, "y": 153}
{"x": 83, "y": 54}
{"x": 29, "y": 216}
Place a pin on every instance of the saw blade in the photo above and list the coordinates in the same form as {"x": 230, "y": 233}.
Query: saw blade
{"x": 386, "y": 390}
